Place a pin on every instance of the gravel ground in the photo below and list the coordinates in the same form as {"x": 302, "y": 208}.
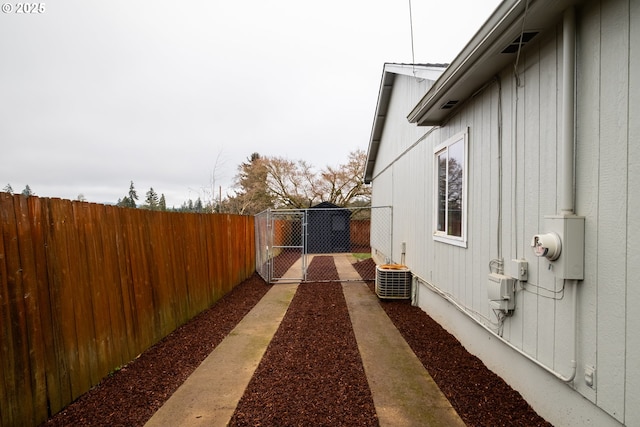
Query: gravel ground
{"x": 311, "y": 373}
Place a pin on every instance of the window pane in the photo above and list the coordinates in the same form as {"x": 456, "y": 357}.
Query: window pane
{"x": 442, "y": 190}
{"x": 454, "y": 199}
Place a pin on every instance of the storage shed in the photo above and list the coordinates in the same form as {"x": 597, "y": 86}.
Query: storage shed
{"x": 328, "y": 229}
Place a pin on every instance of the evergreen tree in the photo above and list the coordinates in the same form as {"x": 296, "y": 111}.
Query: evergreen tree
{"x": 124, "y": 202}
{"x": 133, "y": 196}
{"x": 197, "y": 207}
{"x": 163, "y": 203}
{"x": 129, "y": 201}
{"x": 8, "y": 189}
{"x": 27, "y": 191}
{"x": 152, "y": 202}
{"x": 253, "y": 194}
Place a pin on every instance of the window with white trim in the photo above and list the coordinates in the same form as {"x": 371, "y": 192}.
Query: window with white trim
{"x": 450, "y": 218}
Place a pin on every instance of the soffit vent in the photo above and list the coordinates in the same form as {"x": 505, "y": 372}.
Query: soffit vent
{"x": 520, "y": 41}
{"x": 448, "y": 105}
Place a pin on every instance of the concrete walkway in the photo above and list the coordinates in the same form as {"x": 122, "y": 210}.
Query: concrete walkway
{"x": 403, "y": 392}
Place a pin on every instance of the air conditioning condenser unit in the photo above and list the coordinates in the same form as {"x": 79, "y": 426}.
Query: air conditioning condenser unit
{"x": 393, "y": 281}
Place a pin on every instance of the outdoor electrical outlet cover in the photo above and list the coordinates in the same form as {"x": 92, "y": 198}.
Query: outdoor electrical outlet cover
{"x": 590, "y": 376}
{"x": 520, "y": 269}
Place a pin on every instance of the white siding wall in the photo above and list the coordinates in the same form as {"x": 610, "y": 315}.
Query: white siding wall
{"x": 632, "y": 286}
{"x": 607, "y": 183}
{"x": 397, "y": 140}
{"x": 398, "y": 134}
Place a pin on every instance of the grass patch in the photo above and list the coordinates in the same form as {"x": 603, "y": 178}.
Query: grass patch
{"x": 362, "y": 256}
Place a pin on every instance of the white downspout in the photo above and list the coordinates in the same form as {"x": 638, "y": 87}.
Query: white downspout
{"x": 568, "y": 151}
{"x": 568, "y": 111}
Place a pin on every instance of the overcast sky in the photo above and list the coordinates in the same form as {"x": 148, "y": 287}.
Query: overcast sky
{"x": 175, "y": 95}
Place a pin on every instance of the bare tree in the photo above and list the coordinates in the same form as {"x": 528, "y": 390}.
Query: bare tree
{"x": 292, "y": 184}
{"x": 277, "y": 182}
{"x": 209, "y": 193}
{"x": 344, "y": 185}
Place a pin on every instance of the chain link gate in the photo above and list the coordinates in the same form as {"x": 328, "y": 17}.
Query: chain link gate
{"x": 287, "y": 239}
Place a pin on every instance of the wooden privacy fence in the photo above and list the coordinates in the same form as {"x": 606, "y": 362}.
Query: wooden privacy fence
{"x": 85, "y": 288}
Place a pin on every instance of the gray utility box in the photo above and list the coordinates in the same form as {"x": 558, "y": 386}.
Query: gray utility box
{"x": 570, "y": 229}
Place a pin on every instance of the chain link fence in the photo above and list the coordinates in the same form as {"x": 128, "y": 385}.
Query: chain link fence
{"x": 287, "y": 238}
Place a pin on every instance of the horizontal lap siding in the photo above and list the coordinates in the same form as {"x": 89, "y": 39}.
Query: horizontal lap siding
{"x": 84, "y": 288}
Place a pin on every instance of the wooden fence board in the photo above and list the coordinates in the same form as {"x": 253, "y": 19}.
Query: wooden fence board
{"x": 195, "y": 296}
{"x": 173, "y": 276}
{"x": 56, "y": 259}
{"x": 34, "y": 345}
{"x": 105, "y": 266}
{"x": 145, "y": 289}
{"x": 64, "y": 304}
{"x": 139, "y": 281}
{"x": 160, "y": 239}
{"x": 18, "y": 328}
{"x": 83, "y": 302}
{"x": 19, "y": 373}
{"x": 250, "y": 252}
{"x": 178, "y": 274}
{"x": 226, "y": 249}
{"x": 212, "y": 266}
{"x": 7, "y": 371}
{"x": 111, "y": 236}
{"x": 39, "y": 219}
{"x": 127, "y": 278}
{"x": 204, "y": 281}
{"x": 64, "y": 246}
{"x": 141, "y": 303}
{"x": 98, "y": 271}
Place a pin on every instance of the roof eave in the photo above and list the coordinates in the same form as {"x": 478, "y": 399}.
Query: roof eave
{"x": 384, "y": 94}
{"x": 481, "y": 59}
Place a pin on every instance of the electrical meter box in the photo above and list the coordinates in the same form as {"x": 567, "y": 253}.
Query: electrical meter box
{"x": 570, "y": 262}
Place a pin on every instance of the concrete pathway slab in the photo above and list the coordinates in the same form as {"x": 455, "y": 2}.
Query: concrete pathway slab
{"x": 404, "y": 394}
{"x": 210, "y": 395}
